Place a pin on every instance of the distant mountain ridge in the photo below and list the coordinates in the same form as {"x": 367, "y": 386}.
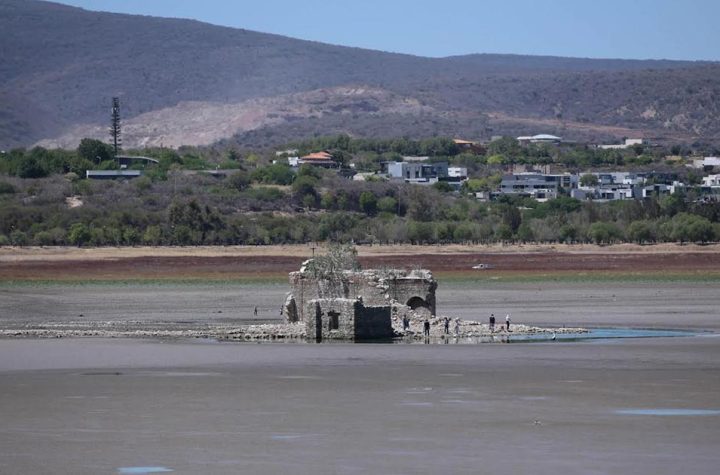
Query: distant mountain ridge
{"x": 62, "y": 64}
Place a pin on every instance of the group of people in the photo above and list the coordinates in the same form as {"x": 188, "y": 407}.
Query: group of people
{"x": 446, "y": 325}
{"x": 492, "y": 322}
{"x": 426, "y": 325}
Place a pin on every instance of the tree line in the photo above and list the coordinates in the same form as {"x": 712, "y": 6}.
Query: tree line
{"x": 258, "y": 199}
{"x": 250, "y": 208}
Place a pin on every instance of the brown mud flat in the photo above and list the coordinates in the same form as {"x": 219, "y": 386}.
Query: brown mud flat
{"x": 274, "y": 262}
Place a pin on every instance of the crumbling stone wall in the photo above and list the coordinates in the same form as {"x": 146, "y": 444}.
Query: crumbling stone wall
{"x": 414, "y": 288}
{"x": 346, "y": 319}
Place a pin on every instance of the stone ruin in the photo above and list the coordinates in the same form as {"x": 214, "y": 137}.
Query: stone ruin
{"x": 358, "y": 304}
{"x": 346, "y": 319}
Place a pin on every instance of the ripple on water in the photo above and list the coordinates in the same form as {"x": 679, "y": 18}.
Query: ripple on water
{"x": 143, "y": 470}
{"x": 668, "y": 412}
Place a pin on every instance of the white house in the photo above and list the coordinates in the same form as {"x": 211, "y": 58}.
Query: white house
{"x": 627, "y": 144}
{"x": 708, "y": 162}
{"x": 711, "y": 180}
{"x": 457, "y": 172}
{"x": 540, "y": 138}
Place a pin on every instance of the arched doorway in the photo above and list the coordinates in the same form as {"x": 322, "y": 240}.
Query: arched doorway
{"x": 419, "y": 306}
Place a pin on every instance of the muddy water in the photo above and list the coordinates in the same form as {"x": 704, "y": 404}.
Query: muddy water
{"x": 658, "y": 305}
{"x": 89, "y": 406}
{"x": 94, "y": 406}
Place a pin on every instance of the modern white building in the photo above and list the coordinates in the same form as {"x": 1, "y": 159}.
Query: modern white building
{"x": 711, "y": 180}
{"x": 604, "y": 193}
{"x": 627, "y": 144}
{"x": 457, "y": 172}
{"x": 660, "y": 189}
{"x": 416, "y": 172}
{"x": 620, "y": 178}
{"x": 539, "y": 186}
{"x": 540, "y": 138}
{"x": 707, "y": 162}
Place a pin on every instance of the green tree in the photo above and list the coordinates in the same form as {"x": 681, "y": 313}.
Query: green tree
{"x": 304, "y": 185}
{"x": 686, "y": 227}
{"x": 152, "y": 236}
{"x": 78, "y": 234}
{"x": 198, "y": 220}
{"x": 309, "y": 170}
{"x": 421, "y": 204}
{"x": 420, "y": 232}
{"x": 673, "y": 204}
{"x": 239, "y": 181}
{"x": 504, "y": 232}
{"x": 277, "y": 174}
{"x": 43, "y": 238}
{"x": 232, "y": 155}
{"x": 30, "y": 167}
{"x": 507, "y": 146}
{"x": 327, "y": 200}
{"x": 568, "y": 233}
{"x": 368, "y": 203}
{"x": 6, "y": 188}
{"x": 496, "y": 160}
{"x": 18, "y": 238}
{"x": 130, "y": 236}
{"x": 253, "y": 160}
{"x": 463, "y": 233}
{"x": 343, "y": 201}
{"x": 640, "y": 232}
{"x": 603, "y": 233}
{"x": 589, "y": 180}
{"x": 387, "y": 204}
{"x": 443, "y": 186}
{"x": 525, "y": 233}
{"x": 309, "y": 200}
{"x": 95, "y": 151}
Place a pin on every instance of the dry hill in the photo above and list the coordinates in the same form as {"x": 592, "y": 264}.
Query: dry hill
{"x": 183, "y": 81}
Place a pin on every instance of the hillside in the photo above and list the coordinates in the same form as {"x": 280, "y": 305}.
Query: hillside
{"x": 177, "y": 79}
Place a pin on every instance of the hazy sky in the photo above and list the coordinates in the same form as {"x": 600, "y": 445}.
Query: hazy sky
{"x": 671, "y": 29}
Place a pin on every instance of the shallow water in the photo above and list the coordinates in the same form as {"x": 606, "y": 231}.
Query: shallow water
{"x": 91, "y": 406}
{"x": 668, "y": 412}
{"x": 142, "y": 470}
{"x": 604, "y": 334}
{"x": 594, "y": 334}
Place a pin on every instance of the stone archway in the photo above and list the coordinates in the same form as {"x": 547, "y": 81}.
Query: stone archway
{"x": 419, "y": 306}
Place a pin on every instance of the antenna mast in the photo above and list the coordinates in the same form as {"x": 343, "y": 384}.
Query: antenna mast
{"x": 115, "y": 126}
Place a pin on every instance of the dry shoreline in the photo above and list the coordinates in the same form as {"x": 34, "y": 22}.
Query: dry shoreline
{"x": 56, "y": 253}
{"x": 91, "y": 405}
{"x": 263, "y": 263}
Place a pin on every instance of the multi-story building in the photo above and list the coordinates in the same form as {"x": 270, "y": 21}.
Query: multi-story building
{"x": 416, "y": 172}
{"x": 537, "y": 185}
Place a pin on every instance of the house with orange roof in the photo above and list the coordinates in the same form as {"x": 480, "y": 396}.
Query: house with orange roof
{"x": 319, "y": 159}
{"x": 469, "y": 146}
